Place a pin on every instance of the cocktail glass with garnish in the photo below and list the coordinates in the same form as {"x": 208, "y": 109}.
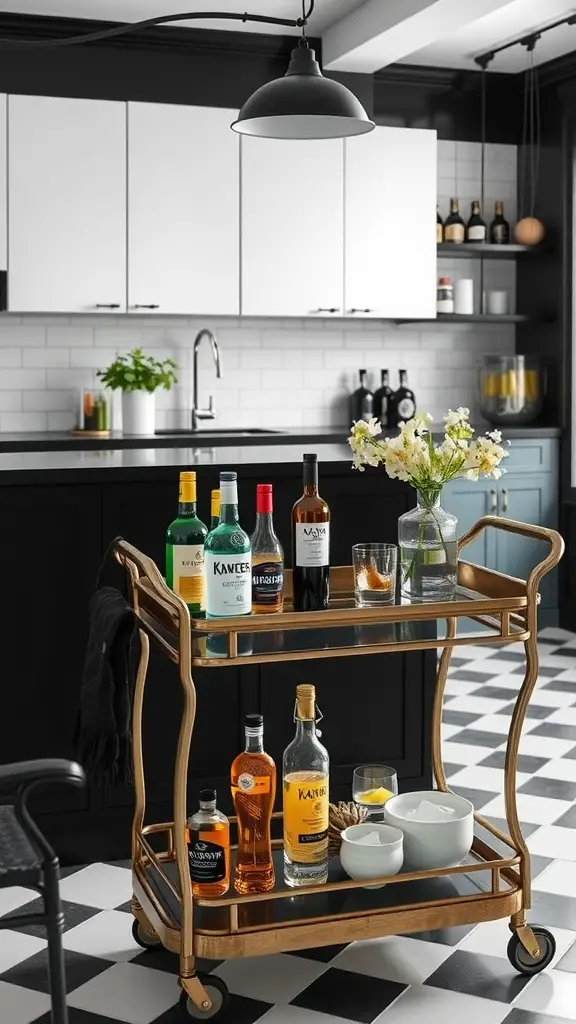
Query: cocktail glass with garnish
{"x": 372, "y": 786}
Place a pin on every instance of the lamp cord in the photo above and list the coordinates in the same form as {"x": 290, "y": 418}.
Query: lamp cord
{"x": 530, "y": 159}
{"x": 138, "y": 26}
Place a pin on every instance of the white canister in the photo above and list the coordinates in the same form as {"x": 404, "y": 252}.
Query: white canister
{"x": 464, "y": 296}
{"x": 138, "y": 412}
{"x": 497, "y": 303}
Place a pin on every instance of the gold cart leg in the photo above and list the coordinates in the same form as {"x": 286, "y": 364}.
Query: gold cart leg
{"x": 525, "y": 934}
{"x": 137, "y": 751}
{"x": 444, "y": 664}
{"x": 511, "y": 764}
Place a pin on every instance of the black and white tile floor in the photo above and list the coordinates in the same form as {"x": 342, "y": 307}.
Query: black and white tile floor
{"x": 457, "y": 974}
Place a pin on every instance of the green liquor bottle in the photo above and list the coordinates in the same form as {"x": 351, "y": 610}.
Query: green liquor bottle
{"x": 227, "y": 558}
{"x": 185, "y": 539}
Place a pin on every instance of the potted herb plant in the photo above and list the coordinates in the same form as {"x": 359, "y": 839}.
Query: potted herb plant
{"x": 139, "y": 376}
{"x": 427, "y": 534}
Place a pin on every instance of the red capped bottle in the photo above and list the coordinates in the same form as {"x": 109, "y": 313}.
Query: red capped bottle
{"x": 267, "y": 557}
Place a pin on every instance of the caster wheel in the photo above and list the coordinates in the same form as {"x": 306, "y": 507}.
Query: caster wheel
{"x": 520, "y": 958}
{"x": 143, "y": 938}
{"x": 219, "y": 995}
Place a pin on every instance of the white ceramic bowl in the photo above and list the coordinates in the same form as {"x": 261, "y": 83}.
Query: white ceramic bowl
{"x": 432, "y": 844}
{"x": 362, "y": 861}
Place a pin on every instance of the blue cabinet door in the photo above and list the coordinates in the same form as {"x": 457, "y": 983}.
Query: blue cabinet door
{"x": 529, "y": 498}
{"x": 469, "y": 500}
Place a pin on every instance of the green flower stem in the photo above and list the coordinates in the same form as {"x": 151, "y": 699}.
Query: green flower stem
{"x": 427, "y": 500}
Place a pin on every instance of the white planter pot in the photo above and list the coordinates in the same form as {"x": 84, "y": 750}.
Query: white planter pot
{"x": 138, "y": 412}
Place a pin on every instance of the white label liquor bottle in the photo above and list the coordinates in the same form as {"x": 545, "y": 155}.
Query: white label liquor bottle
{"x": 267, "y": 557}
{"x": 305, "y": 785}
{"x": 454, "y": 229}
{"x": 185, "y": 539}
{"x": 227, "y": 558}
{"x": 476, "y": 226}
{"x": 310, "y": 543}
{"x": 403, "y": 402}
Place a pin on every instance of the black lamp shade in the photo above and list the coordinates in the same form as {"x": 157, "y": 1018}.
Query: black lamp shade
{"x": 303, "y": 105}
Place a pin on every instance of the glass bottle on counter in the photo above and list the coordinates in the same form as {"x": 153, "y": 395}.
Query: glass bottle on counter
{"x": 310, "y": 543}
{"x": 227, "y": 558}
{"x": 267, "y": 557}
{"x": 361, "y": 400}
{"x": 439, "y": 228}
{"x": 214, "y": 509}
{"x": 185, "y": 540}
{"x": 382, "y": 400}
{"x": 305, "y": 785}
{"x": 253, "y": 782}
{"x": 208, "y": 837}
{"x": 476, "y": 226}
{"x": 454, "y": 230}
{"x": 403, "y": 402}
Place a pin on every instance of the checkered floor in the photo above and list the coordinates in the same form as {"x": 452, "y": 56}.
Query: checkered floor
{"x": 456, "y": 974}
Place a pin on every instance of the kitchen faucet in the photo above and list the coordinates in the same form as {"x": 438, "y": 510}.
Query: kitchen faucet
{"x": 210, "y": 412}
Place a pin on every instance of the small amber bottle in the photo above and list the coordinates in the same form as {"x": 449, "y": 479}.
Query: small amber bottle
{"x": 208, "y": 837}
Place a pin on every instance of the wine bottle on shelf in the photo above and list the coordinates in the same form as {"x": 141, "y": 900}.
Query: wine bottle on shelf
{"x": 208, "y": 837}
{"x": 253, "y": 781}
{"x": 499, "y": 228}
{"x": 361, "y": 400}
{"x": 403, "y": 401}
{"x": 185, "y": 539}
{"x": 267, "y": 557}
{"x": 305, "y": 775}
{"x": 439, "y": 228}
{"x": 476, "y": 226}
{"x": 454, "y": 230}
{"x": 227, "y": 558}
{"x": 310, "y": 543}
{"x": 214, "y": 508}
{"x": 382, "y": 400}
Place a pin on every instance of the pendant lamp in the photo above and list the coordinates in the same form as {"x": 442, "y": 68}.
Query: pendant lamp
{"x": 303, "y": 105}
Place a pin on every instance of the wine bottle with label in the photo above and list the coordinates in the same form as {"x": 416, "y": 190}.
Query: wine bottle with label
{"x": 305, "y": 775}
{"x": 227, "y": 558}
{"x": 439, "y": 228}
{"x": 499, "y": 228}
{"x": 476, "y": 226}
{"x": 454, "y": 229}
{"x": 310, "y": 543}
{"x": 267, "y": 557}
{"x": 403, "y": 402}
{"x": 361, "y": 400}
{"x": 382, "y": 400}
{"x": 208, "y": 837}
{"x": 185, "y": 539}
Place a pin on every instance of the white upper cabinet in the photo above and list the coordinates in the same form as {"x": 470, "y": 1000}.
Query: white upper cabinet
{"x": 3, "y": 184}
{"x": 292, "y": 227}
{"x": 183, "y": 210}
{"x": 67, "y": 205}
{"x": 390, "y": 253}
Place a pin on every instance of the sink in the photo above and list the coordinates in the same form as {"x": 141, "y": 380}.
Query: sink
{"x": 220, "y": 432}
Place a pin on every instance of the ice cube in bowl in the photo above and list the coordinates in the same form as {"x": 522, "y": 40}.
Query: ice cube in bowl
{"x": 438, "y": 828}
{"x": 371, "y": 850}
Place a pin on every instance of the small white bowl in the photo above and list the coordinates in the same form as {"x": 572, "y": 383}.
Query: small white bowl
{"x": 432, "y": 844}
{"x": 361, "y": 861}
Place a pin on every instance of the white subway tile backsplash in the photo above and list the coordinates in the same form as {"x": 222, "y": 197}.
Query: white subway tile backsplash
{"x": 93, "y": 358}
{"x": 69, "y": 335}
{"x": 66, "y": 378}
{"x": 10, "y": 357}
{"x": 10, "y": 401}
{"x": 47, "y": 401}
{"x": 61, "y": 421}
{"x": 23, "y": 421}
{"x": 46, "y": 357}
{"x": 12, "y": 333}
{"x": 22, "y": 379}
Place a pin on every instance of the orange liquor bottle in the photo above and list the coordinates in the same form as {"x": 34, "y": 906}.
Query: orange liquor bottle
{"x": 208, "y": 837}
{"x": 253, "y": 780}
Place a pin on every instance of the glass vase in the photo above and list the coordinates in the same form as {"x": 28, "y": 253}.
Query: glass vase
{"x": 427, "y": 537}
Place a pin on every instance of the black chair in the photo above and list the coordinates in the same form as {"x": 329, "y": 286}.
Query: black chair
{"x": 27, "y": 859}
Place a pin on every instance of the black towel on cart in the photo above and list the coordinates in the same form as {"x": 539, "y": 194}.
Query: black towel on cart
{"x": 102, "y": 733}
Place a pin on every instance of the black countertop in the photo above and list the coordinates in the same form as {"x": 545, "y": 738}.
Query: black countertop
{"x": 55, "y": 441}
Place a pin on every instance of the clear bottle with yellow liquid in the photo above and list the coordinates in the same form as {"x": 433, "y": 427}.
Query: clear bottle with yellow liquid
{"x": 305, "y": 783}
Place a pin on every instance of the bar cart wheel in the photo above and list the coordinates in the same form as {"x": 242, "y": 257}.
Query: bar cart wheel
{"x": 217, "y": 992}
{"x": 523, "y": 961}
{"x": 144, "y": 938}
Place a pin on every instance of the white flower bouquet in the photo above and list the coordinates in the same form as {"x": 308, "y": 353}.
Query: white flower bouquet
{"x": 428, "y": 549}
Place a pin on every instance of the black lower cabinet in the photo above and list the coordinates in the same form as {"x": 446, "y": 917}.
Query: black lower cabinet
{"x": 376, "y": 708}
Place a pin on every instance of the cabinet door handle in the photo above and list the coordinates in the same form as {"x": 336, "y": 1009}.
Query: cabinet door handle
{"x": 144, "y": 305}
{"x": 356, "y": 309}
{"x": 107, "y": 305}
{"x": 494, "y": 505}
{"x": 504, "y": 500}
{"x": 328, "y": 309}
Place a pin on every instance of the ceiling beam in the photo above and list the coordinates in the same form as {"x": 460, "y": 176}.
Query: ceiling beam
{"x": 378, "y": 33}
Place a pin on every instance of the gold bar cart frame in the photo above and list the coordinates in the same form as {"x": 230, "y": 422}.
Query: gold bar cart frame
{"x": 162, "y": 902}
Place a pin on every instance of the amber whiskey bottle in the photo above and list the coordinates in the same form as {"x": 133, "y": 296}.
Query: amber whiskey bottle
{"x": 253, "y": 781}
{"x": 208, "y": 837}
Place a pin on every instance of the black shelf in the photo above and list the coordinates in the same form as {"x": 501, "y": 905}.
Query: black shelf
{"x": 468, "y": 318}
{"x": 475, "y": 250}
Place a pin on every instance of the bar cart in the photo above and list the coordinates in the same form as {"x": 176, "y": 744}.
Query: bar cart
{"x": 493, "y": 883}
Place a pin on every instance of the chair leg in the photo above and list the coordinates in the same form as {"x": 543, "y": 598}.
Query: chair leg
{"x": 54, "y": 923}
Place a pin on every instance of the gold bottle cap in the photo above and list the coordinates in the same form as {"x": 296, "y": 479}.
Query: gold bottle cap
{"x": 215, "y": 503}
{"x": 187, "y": 487}
{"x": 306, "y": 702}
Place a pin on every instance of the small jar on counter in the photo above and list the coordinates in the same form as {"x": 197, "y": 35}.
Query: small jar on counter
{"x": 445, "y": 295}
